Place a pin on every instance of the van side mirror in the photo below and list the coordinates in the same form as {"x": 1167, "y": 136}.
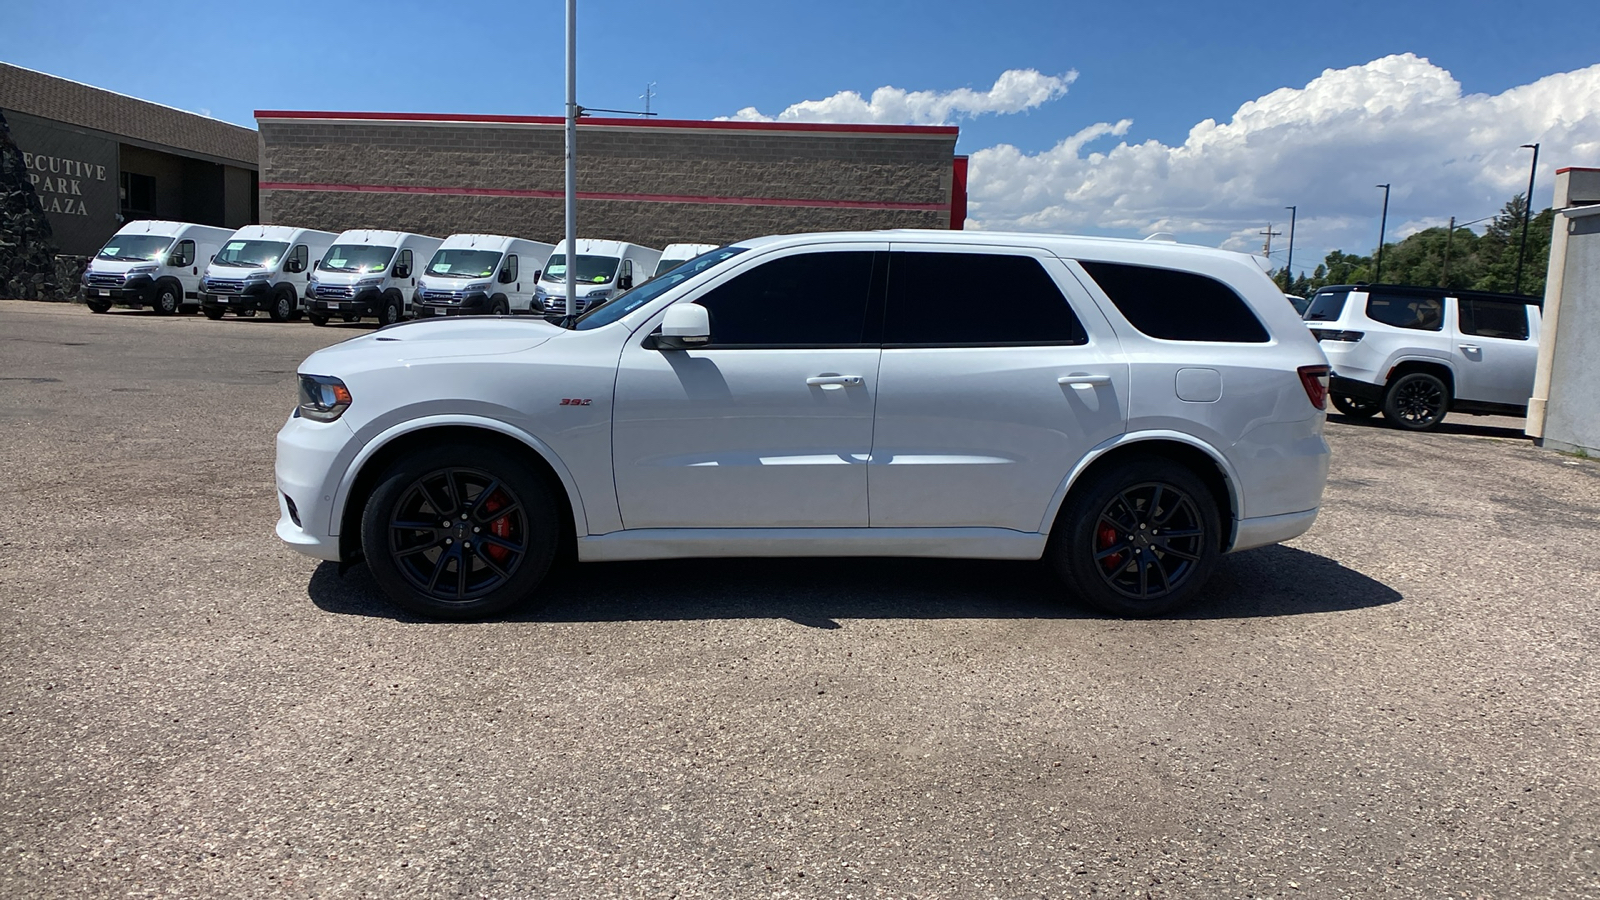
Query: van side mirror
{"x": 537, "y": 274}
{"x": 317, "y": 264}
{"x": 686, "y": 326}
{"x": 625, "y": 282}
{"x": 505, "y": 276}
{"x": 402, "y": 271}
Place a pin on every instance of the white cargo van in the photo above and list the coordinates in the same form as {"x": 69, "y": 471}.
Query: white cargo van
{"x": 368, "y": 273}
{"x": 605, "y": 269}
{"x": 262, "y": 267}
{"x": 677, "y": 254}
{"x": 152, "y": 263}
{"x": 480, "y": 274}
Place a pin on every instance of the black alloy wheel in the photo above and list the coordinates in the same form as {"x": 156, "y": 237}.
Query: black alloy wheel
{"x": 1416, "y": 401}
{"x": 458, "y": 531}
{"x": 1139, "y": 538}
{"x": 498, "y": 307}
{"x": 1355, "y": 407}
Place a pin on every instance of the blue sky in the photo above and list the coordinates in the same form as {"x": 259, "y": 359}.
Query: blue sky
{"x": 1164, "y": 66}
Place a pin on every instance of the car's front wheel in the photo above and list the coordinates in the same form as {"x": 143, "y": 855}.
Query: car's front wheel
{"x": 1139, "y": 538}
{"x": 457, "y": 531}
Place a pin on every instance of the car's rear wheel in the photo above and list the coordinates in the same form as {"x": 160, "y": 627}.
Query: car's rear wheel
{"x": 1416, "y": 401}
{"x": 392, "y": 311}
{"x": 1139, "y": 538}
{"x": 1355, "y": 407}
{"x": 317, "y": 320}
{"x": 214, "y": 313}
{"x": 457, "y": 531}
{"x": 99, "y": 306}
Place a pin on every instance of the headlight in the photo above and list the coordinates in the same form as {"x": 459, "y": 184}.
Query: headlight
{"x": 478, "y": 287}
{"x": 370, "y": 282}
{"x": 323, "y": 398}
{"x": 597, "y": 296}
{"x": 142, "y": 270}
{"x": 256, "y": 276}
{"x": 540, "y": 293}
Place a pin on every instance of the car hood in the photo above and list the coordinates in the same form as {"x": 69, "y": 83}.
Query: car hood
{"x": 431, "y": 339}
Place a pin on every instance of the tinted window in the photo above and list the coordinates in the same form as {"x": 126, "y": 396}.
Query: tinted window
{"x": 404, "y": 263}
{"x": 1177, "y": 306}
{"x": 811, "y": 298}
{"x": 629, "y": 301}
{"x": 509, "y": 273}
{"x": 1406, "y": 311}
{"x": 1326, "y": 306}
{"x": 299, "y": 256}
{"x": 1017, "y": 302}
{"x": 184, "y": 255}
{"x": 1494, "y": 318}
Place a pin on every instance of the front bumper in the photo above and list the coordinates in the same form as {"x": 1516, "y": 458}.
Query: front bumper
{"x": 136, "y": 289}
{"x": 311, "y": 460}
{"x": 366, "y": 302}
{"x": 255, "y": 296}
{"x": 475, "y": 304}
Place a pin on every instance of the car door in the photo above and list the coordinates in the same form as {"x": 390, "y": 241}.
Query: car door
{"x": 1493, "y": 351}
{"x": 770, "y": 424}
{"x": 989, "y": 395}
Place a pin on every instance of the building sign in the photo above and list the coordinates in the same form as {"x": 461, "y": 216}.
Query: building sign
{"x": 75, "y": 175}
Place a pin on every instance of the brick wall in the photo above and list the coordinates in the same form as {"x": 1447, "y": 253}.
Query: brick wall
{"x": 870, "y": 177}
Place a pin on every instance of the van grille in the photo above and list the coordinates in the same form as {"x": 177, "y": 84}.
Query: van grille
{"x": 451, "y": 297}
{"x": 106, "y": 280}
{"x": 334, "y": 292}
{"x": 224, "y": 287}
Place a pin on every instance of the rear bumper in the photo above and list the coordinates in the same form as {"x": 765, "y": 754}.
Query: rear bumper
{"x": 1350, "y": 387}
{"x": 1265, "y": 530}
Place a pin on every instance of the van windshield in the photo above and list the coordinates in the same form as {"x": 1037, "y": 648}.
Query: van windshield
{"x": 667, "y": 265}
{"x": 356, "y": 258}
{"x": 464, "y": 263}
{"x": 135, "y": 247}
{"x": 644, "y": 293}
{"x": 1326, "y": 306}
{"x": 591, "y": 269}
{"x": 251, "y": 254}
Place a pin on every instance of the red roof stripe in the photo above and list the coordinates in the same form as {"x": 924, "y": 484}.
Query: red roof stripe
{"x": 822, "y": 127}
{"x": 1576, "y": 169}
{"x": 598, "y": 195}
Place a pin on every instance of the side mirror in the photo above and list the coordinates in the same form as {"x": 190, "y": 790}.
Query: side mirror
{"x": 685, "y": 327}
{"x": 402, "y": 271}
{"x": 537, "y": 274}
{"x": 625, "y": 282}
{"x": 317, "y": 264}
{"x": 505, "y": 276}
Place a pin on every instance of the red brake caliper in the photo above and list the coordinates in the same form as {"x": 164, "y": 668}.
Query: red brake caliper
{"x": 1106, "y": 538}
{"x": 500, "y": 528}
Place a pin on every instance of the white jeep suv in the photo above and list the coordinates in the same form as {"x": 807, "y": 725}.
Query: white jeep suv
{"x": 1416, "y": 353}
{"x": 1130, "y": 410}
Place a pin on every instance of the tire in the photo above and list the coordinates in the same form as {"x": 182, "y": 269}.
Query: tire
{"x": 350, "y": 318}
{"x": 499, "y": 307}
{"x": 168, "y": 300}
{"x": 98, "y": 306}
{"x": 317, "y": 320}
{"x": 1355, "y": 407}
{"x": 214, "y": 313}
{"x": 245, "y": 313}
{"x": 392, "y": 311}
{"x": 282, "y": 309}
{"x": 1107, "y": 544}
{"x": 487, "y": 559}
{"x": 1416, "y": 401}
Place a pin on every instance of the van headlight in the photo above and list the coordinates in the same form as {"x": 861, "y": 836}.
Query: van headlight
{"x": 370, "y": 282}
{"x": 323, "y": 398}
{"x": 142, "y": 270}
{"x": 483, "y": 286}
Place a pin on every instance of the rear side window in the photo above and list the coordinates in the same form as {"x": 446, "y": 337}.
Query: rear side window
{"x": 1178, "y": 306}
{"x": 806, "y": 300}
{"x": 1017, "y": 304}
{"x": 1326, "y": 306}
{"x": 1406, "y": 311}
{"x": 1494, "y": 318}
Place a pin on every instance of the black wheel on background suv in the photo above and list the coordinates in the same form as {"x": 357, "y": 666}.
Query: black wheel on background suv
{"x": 98, "y": 306}
{"x": 459, "y": 531}
{"x": 214, "y": 313}
{"x": 1139, "y": 538}
{"x": 1354, "y": 407}
{"x": 1416, "y": 401}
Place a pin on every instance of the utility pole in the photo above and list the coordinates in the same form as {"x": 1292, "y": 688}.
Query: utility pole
{"x": 572, "y": 159}
{"x": 1383, "y": 226}
{"x": 1527, "y": 212}
{"x": 1444, "y": 279}
{"x": 1288, "y": 267}
{"x": 649, "y": 91}
{"x": 1266, "y": 249}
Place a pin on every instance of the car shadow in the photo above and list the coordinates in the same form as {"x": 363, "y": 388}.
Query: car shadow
{"x": 1460, "y": 424}
{"x": 1271, "y": 581}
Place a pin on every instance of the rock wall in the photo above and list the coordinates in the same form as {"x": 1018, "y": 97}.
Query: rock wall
{"x": 28, "y": 268}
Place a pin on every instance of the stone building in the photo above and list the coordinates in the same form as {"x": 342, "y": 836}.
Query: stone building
{"x": 649, "y": 181}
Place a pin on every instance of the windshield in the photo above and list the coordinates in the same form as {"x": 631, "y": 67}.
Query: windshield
{"x": 356, "y": 258}
{"x": 1326, "y": 306}
{"x": 135, "y": 247}
{"x": 644, "y": 293}
{"x": 251, "y": 254}
{"x": 667, "y": 265}
{"x": 591, "y": 269}
{"x": 464, "y": 263}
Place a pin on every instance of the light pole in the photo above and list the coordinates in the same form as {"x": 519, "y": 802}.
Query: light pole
{"x": 1527, "y": 211}
{"x": 572, "y": 159}
{"x": 1383, "y": 225}
{"x": 1288, "y": 267}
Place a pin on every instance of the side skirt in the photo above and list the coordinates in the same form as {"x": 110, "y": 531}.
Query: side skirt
{"x": 690, "y": 543}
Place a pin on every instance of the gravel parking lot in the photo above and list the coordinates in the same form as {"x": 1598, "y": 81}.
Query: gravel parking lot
{"x": 1402, "y": 703}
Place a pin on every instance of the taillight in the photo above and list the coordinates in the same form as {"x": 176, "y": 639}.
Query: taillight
{"x": 1315, "y": 380}
{"x": 1323, "y": 334}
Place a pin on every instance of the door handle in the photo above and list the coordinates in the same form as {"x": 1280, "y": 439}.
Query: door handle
{"x": 834, "y": 382}
{"x": 1084, "y": 381}
{"x": 1470, "y": 348}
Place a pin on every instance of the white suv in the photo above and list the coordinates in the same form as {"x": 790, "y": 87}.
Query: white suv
{"x": 1417, "y": 353}
{"x": 1130, "y": 410}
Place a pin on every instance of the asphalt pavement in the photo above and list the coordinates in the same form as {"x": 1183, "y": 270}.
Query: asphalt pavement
{"x": 1404, "y": 702}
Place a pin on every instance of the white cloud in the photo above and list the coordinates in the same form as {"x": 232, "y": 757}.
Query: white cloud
{"x": 1400, "y": 119}
{"x": 1016, "y": 90}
